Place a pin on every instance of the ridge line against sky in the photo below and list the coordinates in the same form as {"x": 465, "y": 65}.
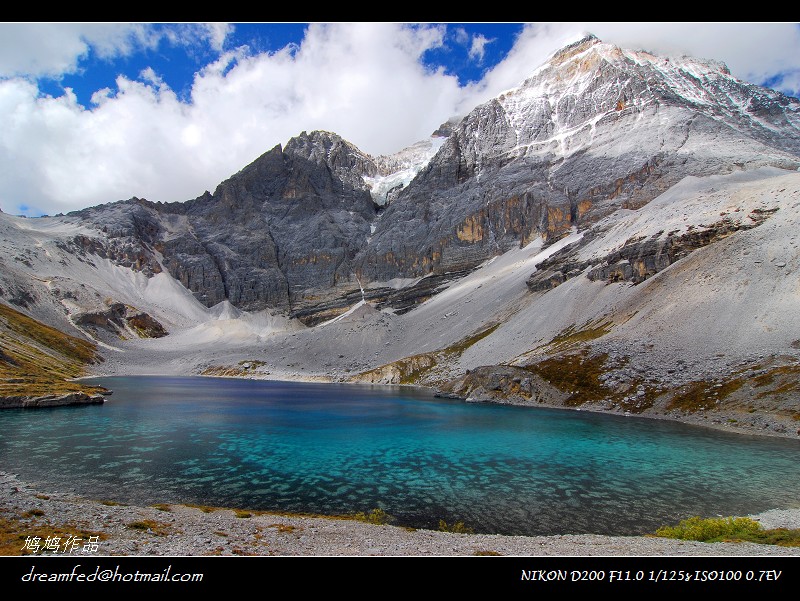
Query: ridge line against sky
{"x": 98, "y": 112}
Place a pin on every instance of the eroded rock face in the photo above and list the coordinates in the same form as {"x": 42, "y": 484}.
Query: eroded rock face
{"x": 121, "y": 321}
{"x": 637, "y": 259}
{"x": 504, "y": 385}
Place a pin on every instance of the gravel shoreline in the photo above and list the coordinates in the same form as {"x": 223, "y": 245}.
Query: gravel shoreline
{"x": 178, "y": 530}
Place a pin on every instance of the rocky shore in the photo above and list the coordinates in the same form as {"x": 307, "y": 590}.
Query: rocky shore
{"x": 50, "y": 400}
{"x": 105, "y": 528}
{"x": 738, "y": 422}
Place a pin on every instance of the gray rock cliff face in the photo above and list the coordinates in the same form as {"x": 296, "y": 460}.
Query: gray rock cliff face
{"x": 637, "y": 259}
{"x": 594, "y": 129}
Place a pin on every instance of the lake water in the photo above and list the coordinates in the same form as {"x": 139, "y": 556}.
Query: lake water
{"x": 338, "y": 449}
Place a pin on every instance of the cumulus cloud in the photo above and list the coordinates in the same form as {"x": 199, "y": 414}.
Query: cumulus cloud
{"x": 364, "y": 81}
{"x": 40, "y": 49}
{"x": 53, "y": 49}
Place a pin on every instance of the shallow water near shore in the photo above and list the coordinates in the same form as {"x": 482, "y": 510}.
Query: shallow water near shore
{"x": 338, "y": 449}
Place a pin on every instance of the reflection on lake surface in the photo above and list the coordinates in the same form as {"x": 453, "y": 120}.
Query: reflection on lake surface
{"x": 328, "y": 448}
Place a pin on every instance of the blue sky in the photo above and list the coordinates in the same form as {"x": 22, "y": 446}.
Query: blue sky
{"x": 94, "y": 113}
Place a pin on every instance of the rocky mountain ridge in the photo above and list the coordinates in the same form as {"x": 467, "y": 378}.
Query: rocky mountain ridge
{"x": 594, "y": 129}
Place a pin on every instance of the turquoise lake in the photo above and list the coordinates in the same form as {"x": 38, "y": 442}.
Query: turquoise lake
{"x": 337, "y": 449}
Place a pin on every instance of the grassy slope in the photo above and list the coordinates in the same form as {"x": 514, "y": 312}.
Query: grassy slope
{"x": 37, "y": 360}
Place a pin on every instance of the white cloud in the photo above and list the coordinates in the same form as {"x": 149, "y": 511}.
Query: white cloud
{"x": 53, "y": 49}
{"x": 461, "y": 36}
{"x": 217, "y": 33}
{"x": 478, "y": 47}
{"x": 363, "y": 81}
{"x": 40, "y": 49}
{"x": 150, "y": 76}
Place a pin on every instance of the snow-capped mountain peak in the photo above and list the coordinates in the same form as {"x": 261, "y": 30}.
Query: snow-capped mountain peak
{"x": 558, "y": 108}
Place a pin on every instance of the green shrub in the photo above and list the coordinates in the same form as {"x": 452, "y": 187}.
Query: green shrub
{"x": 457, "y": 527}
{"x": 376, "y": 516}
{"x": 712, "y": 529}
{"x": 150, "y": 526}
